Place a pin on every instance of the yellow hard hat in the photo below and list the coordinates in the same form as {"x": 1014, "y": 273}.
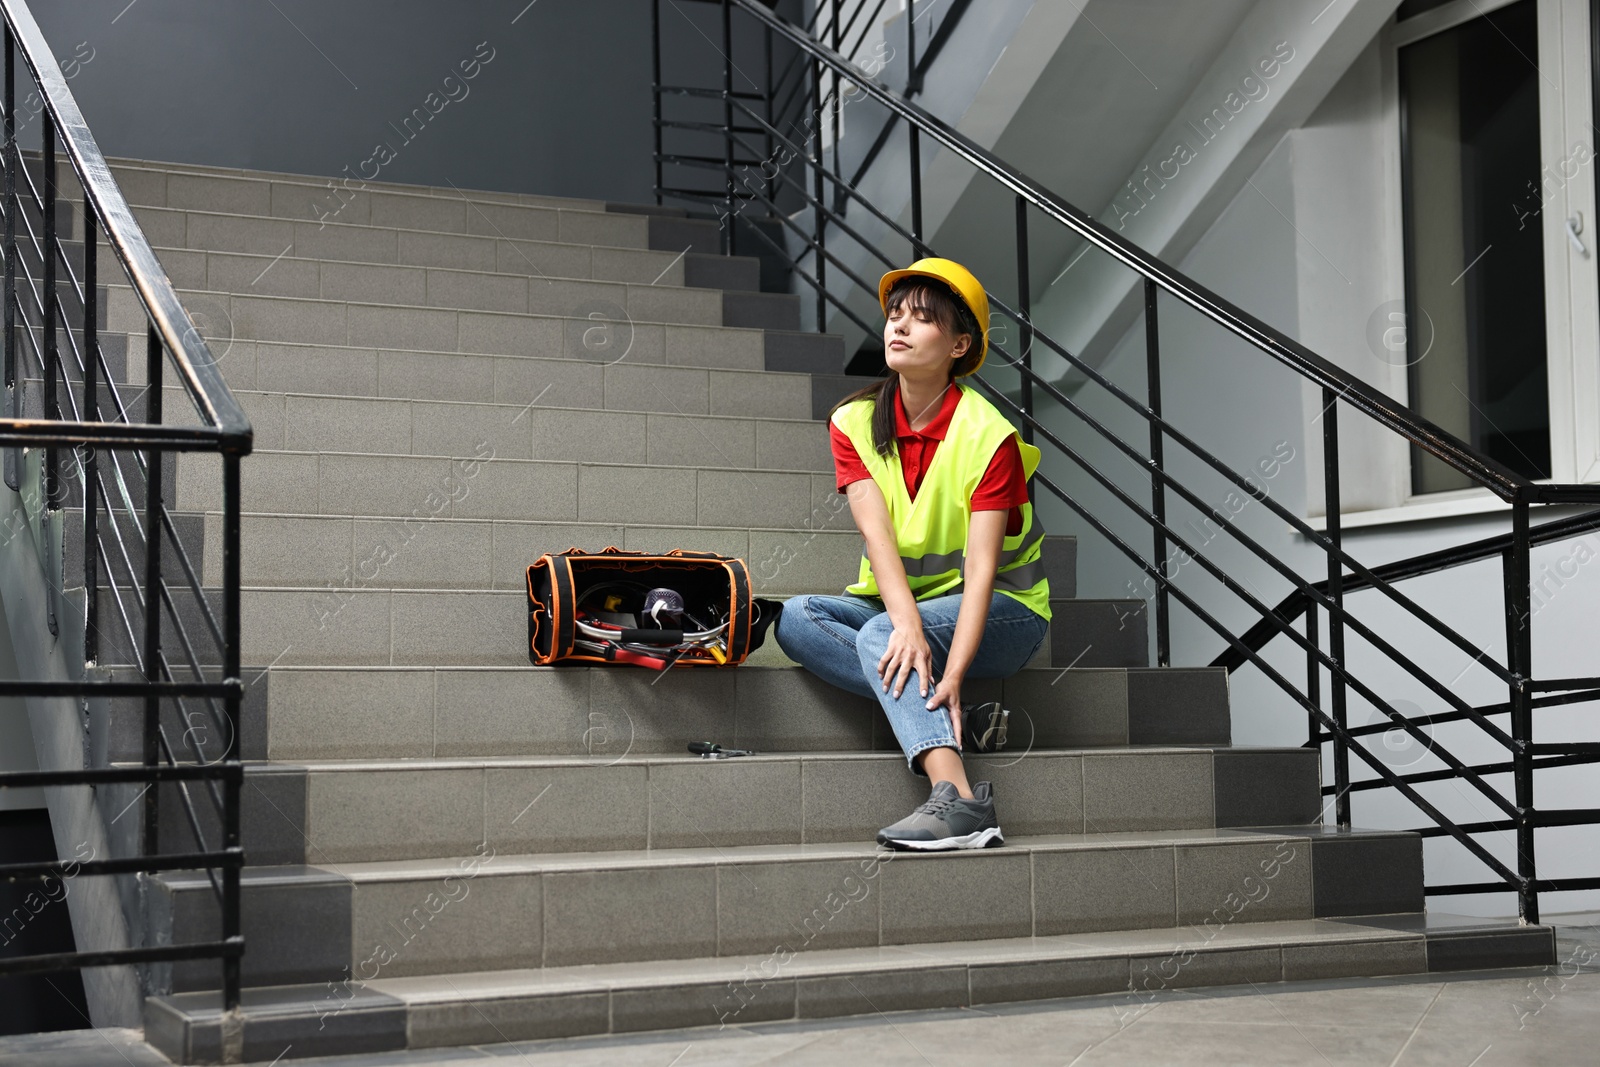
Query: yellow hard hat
{"x": 958, "y": 278}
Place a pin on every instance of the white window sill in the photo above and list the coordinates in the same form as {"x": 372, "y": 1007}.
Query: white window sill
{"x": 1419, "y": 509}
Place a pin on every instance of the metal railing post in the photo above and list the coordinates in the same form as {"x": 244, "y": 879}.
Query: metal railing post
{"x": 820, "y": 214}
{"x": 1158, "y": 487}
{"x": 90, "y": 464}
{"x": 914, "y": 147}
{"x": 13, "y": 387}
{"x": 52, "y": 403}
{"x": 913, "y": 79}
{"x": 1330, "y": 478}
{"x": 1313, "y": 680}
{"x": 1025, "y": 309}
{"x": 838, "y": 117}
{"x": 152, "y": 588}
{"x": 231, "y": 652}
{"x": 655, "y": 73}
{"x": 1517, "y": 573}
{"x": 729, "y": 243}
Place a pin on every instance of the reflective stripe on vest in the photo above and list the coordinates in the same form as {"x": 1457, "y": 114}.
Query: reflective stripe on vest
{"x": 931, "y": 531}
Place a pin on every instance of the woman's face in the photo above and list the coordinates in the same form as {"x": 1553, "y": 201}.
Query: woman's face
{"x": 916, "y": 346}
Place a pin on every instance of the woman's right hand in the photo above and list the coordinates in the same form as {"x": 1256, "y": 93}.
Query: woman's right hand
{"x": 908, "y": 651}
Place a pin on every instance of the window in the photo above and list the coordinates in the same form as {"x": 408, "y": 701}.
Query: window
{"x": 1475, "y": 287}
{"x": 1495, "y": 99}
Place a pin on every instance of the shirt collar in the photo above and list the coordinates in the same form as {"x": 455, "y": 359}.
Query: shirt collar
{"x": 941, "y": 422}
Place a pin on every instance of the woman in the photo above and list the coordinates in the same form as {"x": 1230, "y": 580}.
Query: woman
{"x": 952, "y": 585}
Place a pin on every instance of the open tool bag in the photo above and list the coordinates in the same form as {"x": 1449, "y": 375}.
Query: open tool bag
{"x": 680, "y": 609}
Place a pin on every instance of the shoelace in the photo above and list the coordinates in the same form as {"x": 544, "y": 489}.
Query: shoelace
{"x": 937, "y": 805}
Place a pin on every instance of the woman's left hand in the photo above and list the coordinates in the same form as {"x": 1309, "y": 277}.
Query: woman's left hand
{"x": 947, "y": 695}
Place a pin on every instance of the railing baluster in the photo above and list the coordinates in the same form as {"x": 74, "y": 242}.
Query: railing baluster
{"x": 820, "y": 212}
{"x": 1519, "y": 660}
{"x": 1313, "y": 680}
{"x": 1158, "y": 488}
{"x": 91, "y": 413}
{"x": 52, "y": 405}
{"x": 152, "y": 588}
{"x": 913, "y": 79}
{"x": 914, "y": 146}
{"x": 730, "y": 244}
{"x": 838, "y": 118}
{"x": 1330, "y": 479}
{"x": 1025, "y": 309}
{"x": 13, "y": 386}
{"x": 655, "y": 70}
{"x": 231, "y": 576}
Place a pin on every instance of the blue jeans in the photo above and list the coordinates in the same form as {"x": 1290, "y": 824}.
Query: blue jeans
{"x": 841, "y": 639}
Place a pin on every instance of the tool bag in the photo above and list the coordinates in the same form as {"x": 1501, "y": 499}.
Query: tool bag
{"x": 591, "y": 607}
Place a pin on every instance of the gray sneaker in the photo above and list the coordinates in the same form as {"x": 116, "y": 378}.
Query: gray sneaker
{"x": 946, "y": 821}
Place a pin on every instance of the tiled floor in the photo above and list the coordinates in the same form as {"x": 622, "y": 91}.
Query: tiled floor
{"x": 1472, "y": 1019}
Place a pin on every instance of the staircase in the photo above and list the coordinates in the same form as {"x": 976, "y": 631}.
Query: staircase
{"x": 450, "y": 847}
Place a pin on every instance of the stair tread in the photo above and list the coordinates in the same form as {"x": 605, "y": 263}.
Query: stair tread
{"x": 677, "y": 758}
{"x": 714, "y": 971}
{"x": 497, "y": 865}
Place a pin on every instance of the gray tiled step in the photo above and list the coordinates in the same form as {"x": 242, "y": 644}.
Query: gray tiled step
{"x": 596, "y": 383}
{"x": 563, "y": 909}
{"x": 517, "y": 288}
{"x": 289, "y": 550}
{"x": 349, "y": 243}
{"x": 728, "y": 273}
{"x": 122, "y": 164}
{"x": 1098, "y": 633}
{"x": 783, "y": 982}
{"x": 547, "y": 430}
{"x": 574, "y": 328}
{"x": 482, "y": 486}
{"x": 602, "y": 713}
{"x": 366, "y": 810}
{"x": 302, "y": 198}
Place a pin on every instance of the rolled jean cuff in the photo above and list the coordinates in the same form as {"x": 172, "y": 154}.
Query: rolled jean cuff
{"x": 948, "y": 741}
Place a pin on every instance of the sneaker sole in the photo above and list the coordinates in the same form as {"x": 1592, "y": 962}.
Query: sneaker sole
{"x": 990, "y": 838}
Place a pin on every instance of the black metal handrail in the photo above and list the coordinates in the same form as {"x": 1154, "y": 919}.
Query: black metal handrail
{"x": 45, "y": 300}
{"x": 809, "y": 226}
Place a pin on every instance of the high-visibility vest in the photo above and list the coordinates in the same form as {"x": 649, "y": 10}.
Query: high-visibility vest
{"x": 931, "y": 531}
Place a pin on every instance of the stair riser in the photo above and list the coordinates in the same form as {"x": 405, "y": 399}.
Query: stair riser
{"x": 316, "y": 202}
{"x": 595, "y": 384}
{"x": 338, "y": 242}
{"x": 575, "y": 329}
{"x": 778, "y": 986}
{"x": 606, "y": 713}
{"x": 461, "y": 555}
{"x": 328, "y": 817}
{"x": 546, "y": 431}
{"x": 468, "y": 917}
{"x": 497, "y": 488}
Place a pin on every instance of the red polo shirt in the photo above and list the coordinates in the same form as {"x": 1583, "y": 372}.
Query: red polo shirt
{"x": 1002, "y": 488}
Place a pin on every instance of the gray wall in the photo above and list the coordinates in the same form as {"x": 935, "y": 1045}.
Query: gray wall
{"x": 309, "y": 86}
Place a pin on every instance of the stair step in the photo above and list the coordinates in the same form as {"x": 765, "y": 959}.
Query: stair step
{"x": 794, "y": 981}
{"x": 605, "y": 713}
{"x": 346, "y": 242}
{"x": 280, "y": 549}
{"x": 443, "y": 210}
{"x": 150, "y": 169}
{"x": 514, "y": 290}
{"x": 549, "y": 430}
{"x": 576, "y": 325}
{"x": 579, "y": 908}
{"x": 483, "y": 486}
{"x": 336, "y": 812}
